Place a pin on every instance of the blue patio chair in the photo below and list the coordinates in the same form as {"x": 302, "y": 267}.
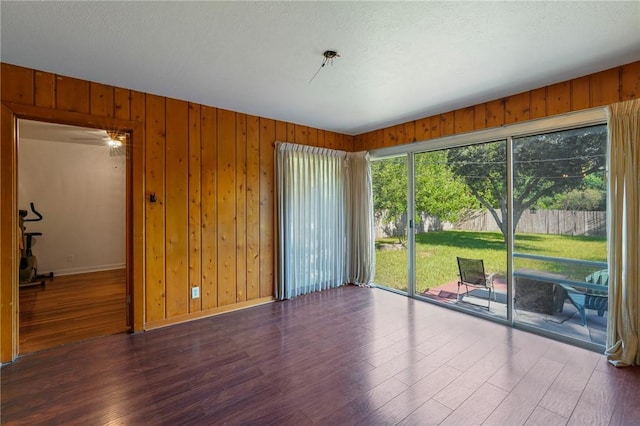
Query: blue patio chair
{"x": 597, "y": 300}
{"x": 472, "y": 274}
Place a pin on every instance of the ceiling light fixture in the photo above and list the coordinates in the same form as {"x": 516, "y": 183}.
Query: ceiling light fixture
{"x": 329, "y": 55}
{"x": 115, "y": 139}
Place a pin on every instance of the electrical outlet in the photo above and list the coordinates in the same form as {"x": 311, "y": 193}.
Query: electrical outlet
{"x": 70, "y": 258}
{"x": 195, "y": 292}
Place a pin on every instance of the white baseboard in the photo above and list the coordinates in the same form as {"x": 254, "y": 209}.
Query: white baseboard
{"x": 86, "y": 269}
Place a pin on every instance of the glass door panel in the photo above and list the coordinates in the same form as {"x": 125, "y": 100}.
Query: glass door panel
{"x": 390, "y": 182}
{"x": 460, "y": 202}
{"x": 560, "y": 233}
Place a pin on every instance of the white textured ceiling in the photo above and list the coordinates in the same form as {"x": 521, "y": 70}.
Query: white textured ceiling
{"x": 398, "y": 60}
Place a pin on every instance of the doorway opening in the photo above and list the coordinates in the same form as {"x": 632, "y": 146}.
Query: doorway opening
{"x": 76, "y": 179}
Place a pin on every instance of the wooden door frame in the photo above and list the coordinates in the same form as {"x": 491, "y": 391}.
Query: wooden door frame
{"x": 9, "y": 256}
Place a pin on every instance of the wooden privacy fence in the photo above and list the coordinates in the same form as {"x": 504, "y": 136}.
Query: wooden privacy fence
{"x": 559, "y": 222}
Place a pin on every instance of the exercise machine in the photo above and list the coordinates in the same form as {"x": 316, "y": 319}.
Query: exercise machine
{"x": 28, "y": 262}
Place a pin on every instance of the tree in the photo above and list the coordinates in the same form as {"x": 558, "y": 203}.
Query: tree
{"x": 438, "y": 192}
{"x": 581, "y": 199}
{"x": 389, "y": 178}
{"x": 591, "y": 195}
{"x": 544, "y": 166}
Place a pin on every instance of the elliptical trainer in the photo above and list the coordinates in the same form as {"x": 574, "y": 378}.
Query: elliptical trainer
{"x": 28, "y": 262}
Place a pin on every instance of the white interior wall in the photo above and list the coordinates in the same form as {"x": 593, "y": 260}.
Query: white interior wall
{"x": 80, "y": 191}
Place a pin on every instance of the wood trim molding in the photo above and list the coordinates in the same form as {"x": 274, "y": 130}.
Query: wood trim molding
{"x": 208, "y": 313}
{"x": 8, "y": 235}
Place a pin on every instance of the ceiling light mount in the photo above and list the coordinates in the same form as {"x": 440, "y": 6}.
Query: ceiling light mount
{"x": 329, "y": 56}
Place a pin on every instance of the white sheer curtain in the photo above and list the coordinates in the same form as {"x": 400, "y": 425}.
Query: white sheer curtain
{"x": 624, "y": 233}
{"x": 314, "y": 242}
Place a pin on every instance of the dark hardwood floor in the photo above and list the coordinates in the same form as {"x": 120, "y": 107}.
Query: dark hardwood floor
{"x": 345, "y": 356}
{"x": 70, "y": 308}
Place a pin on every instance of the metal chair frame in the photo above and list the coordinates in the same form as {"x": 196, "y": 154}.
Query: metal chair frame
{"x": 472, "y": 273}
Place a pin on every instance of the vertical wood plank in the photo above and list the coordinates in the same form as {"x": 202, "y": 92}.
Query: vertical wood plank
{"x": 121, "y": 103}
{"x": 241, "y": 207}
{"x": 176, "y": 208}
{"x": 17, "y": 84}
{"x": 538, "y": 103}
{"x": 385, "y": 137}
{"x": 409, "y": 132}
{"x": 480, "y": 116}
{"x": 447, "y": 125}
{"x": 423, "y": 129}
{"x": 340, "y": 142}
{"x": 559, "y": 98}
{"x": 330, "y": 140}
{"x": 101, "y": 100}
{"x": 371, "y": 140}
{"x": 291, "y": 133}
{"x": 301, "y": 134}
{"x": 138, "y": 108}
{"x": 346, "y": 142}
{"x": 605, "y": 87}
{"x": 434, "y": 126}
{"x": 154, "y": 181}
{"x": 349, "y": 143}
{"x": 267, "y": 138}
{"x": 138, "y": 204}
{"x": 322, "y": 143}
{"x": 398, "y": 129}
{"x": 495, "y": 113}
{"x": 367, "y": 141}
{"x": 253, "y": 207}
{"x": 630, "y": 81}
{"x": 390, "y": 138}
{"x": 45, "y": 89}
{"x": 580, "y": 93}
{"x": 226, "y": 207}
{"x": 209, "y": 210}
{"x": 358, "y": 143}
{"x": 72, "y": 94}
{"x": 517, "y": 108}
{"x": 380, "y": 138}
{"x": 463, "y": 119}
{"x": 313, "y": 137}
{"x": 195, "y": 223}
{"x": 281, "y": 131}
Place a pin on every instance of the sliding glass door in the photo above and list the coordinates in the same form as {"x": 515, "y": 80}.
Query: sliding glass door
{"x": 560, "y": 232}
{"x": 527, "y": 210}
{"x": 459, "y": 206}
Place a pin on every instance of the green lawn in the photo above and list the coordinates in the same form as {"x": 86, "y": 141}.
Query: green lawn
{"x": 436, "y": 255}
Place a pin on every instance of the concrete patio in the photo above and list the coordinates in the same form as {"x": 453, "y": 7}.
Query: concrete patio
{"x": 567, "y": 322}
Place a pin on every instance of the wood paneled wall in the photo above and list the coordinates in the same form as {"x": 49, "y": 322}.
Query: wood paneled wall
{"x": 603, "y": 88}
{"x": 212, "y": 172}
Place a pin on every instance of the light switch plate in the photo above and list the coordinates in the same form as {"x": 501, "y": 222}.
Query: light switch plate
{"x": 195, "y": 292}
